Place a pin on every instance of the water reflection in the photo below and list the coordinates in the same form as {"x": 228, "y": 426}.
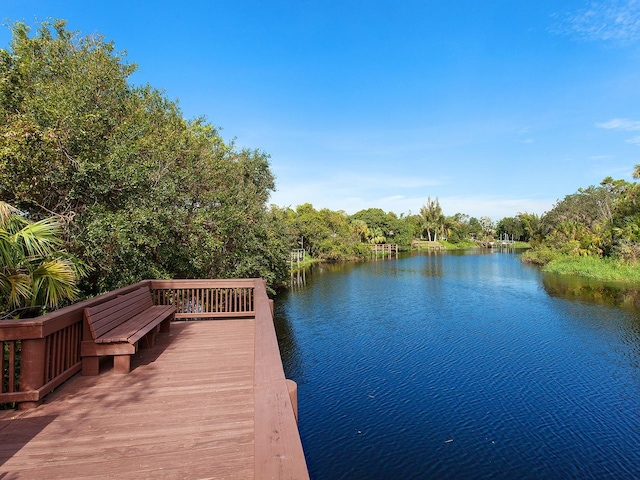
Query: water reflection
{"x": 289, "y": 350}
{"x": 298, "y": 279}
{"x": 590, "y": 291}
{"x": 461, "y": 365}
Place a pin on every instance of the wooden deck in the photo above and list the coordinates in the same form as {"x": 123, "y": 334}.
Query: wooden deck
{"x": 197, "y": 405}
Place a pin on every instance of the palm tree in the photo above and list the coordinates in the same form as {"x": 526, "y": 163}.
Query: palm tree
{"x": 361, "y": 228}
{"x": 34, "y": 270}
{"x": 432, "y": 218}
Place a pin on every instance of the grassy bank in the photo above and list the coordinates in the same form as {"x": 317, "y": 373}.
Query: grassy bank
{"x": 465, "y": 244}
{"x": 430, "y": 245}
{"x": 307, "y": 262}
{"x": 602, "y": 269}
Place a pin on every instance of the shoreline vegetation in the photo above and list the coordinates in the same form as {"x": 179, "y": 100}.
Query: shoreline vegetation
{"x": 588, "y": 267}
{"x": 137, "y": 191}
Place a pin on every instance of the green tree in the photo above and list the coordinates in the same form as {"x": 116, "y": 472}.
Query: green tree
{"x": 388, "y": 225}
{"x": 601, "y": 221}
{"x": 432, "y": 218}
{"x": 328, "y": 235}
{"x": 410, "y": 228}
{"x": 530, "y": 225}
{"x": 463, "y": 228}
{"x": 34, "y": 271}
{"x": 509, "y": 226}
{"x": 143, "y": 192}
{"x": 362, "y": 229}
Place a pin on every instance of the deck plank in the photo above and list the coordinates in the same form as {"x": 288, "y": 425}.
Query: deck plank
{"x": 186, "y": 410}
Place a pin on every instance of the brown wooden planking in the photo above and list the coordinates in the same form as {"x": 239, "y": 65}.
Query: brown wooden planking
{"x": 203, "y": 283}
{"x": 278, "y": 448}
{"x": 92, "y": 349}
{"x": 277, "y": 457}
{"x": 186, "y": 410}
{"x": 105, "y": 316}
{"x": 141, "y": 295}
{"x": 162, "y": 314}
{"x": 125, "y": 332}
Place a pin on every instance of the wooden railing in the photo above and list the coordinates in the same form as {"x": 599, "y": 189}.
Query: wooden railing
{"x": 200, "y": 299}
{"x": 385, "y": 249}
{"x": 38, "y": 355}
{"x": 41, "y": 353}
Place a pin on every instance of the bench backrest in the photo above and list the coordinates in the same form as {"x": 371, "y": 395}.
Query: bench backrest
{"x": 108, "y": 315}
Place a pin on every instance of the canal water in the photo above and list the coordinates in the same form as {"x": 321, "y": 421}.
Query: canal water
{"x": 469, "y": 365}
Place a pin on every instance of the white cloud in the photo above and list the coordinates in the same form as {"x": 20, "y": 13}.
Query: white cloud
{"x": 338, "y": 197}
{"x": 616, "y": 21}
{"x": 620, "y": 124}
{"x": 384, "y": 182}
{"x": 494, "y": 206}
{"x": 623, "y": 124}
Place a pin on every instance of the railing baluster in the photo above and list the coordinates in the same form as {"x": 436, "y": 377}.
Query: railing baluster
{"x": 56, "y": 353}
{"x": 48, "y": 348}
{"x": 4, "y": 345}
{"x": 12, "y": 366}
{"x": 66, "y": 355}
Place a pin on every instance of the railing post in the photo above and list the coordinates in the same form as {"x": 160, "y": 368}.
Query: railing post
{"x": 32, "y": 369}
{"x": 293, "y": 396}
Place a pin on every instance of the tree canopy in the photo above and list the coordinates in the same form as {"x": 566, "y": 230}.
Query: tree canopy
{"x": 141, "y": 192}
{"x": 601, "y": 221}
{"x": 137, "y": 191}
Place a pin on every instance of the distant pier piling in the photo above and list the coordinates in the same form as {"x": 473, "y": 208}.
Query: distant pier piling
{"x": 297, "y": 256}
{"x": 384, "y": 250}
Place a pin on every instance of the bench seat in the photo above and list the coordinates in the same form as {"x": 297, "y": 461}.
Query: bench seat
{"x": 117, "y": 326}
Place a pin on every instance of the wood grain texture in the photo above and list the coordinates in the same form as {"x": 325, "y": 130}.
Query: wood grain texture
{"x": 278, "y": 448}
{"x": 120, "y": 321}
{"x": 186, "y": 410}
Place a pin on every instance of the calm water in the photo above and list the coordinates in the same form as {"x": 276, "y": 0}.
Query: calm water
{"x": 461, "y": 366}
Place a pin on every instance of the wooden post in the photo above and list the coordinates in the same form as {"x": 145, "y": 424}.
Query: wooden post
{"x": 293, "y": 396}
{"x": 32, "y": 369}
{"x": 121, "y": 364}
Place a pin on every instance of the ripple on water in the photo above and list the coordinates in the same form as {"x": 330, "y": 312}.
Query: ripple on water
{"x": 461, "y": 367}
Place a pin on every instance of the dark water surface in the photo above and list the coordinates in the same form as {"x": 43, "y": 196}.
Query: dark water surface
{"x": 461, "y": 366}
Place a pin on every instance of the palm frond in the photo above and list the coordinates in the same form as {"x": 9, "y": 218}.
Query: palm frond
{"x": 15, "y": 288}
{"x": 53, "y": 282}
{"x": 6, "y": 212}
{"x": 34, "y": 270}
{"x": 7, "y": 249}
{"x": 39, "y": 238}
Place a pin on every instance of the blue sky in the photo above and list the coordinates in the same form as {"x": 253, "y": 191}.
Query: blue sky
{"x": 495, "y": 107}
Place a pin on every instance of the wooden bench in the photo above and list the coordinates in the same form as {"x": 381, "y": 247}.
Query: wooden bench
{"x": 116, "y": 326}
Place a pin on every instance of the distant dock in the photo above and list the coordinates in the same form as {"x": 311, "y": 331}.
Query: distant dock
{"x": 427, "y": 245}
{"x": 384, "y": 250}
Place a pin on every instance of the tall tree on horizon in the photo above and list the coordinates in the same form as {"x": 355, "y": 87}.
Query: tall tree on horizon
{"x": 432, "y": 218}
